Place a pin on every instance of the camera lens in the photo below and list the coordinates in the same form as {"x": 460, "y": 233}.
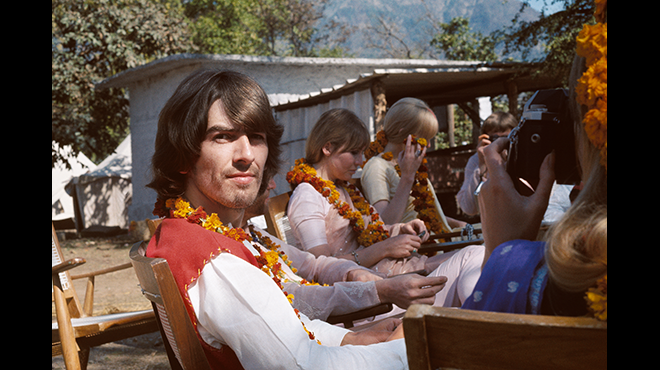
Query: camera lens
{"x": 535, "y": 138}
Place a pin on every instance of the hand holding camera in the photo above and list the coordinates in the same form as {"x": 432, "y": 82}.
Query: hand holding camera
{"x": 505, "y": 213}
{"x": 540, "y": 146}
{"x": 545, "y": 127}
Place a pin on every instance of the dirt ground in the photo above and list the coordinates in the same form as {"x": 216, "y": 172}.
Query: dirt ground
{"x": 114, "y": 292}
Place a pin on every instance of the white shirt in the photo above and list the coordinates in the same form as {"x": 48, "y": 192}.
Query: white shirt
{"x": 240, "y": 306}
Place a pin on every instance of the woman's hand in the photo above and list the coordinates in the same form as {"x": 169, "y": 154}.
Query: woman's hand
{"x": 412, "y": 227}
{"x": 400, "y": 246}
{"x": 505, "y": 214}
{"x": 408, "y": 159}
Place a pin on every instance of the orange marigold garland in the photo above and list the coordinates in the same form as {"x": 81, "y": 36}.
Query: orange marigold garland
{"x": 369, "y": 234}
{"x": 591, "y": 89}
{"x": 267, "y": 260}
{"x": 591, "y": 92}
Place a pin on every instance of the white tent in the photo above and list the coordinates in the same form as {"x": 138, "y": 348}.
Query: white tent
{"x": 62, "y": 207}
{"x": 103, "y": 195}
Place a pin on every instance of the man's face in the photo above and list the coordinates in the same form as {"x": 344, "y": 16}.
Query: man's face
{"x": 230, "y": 167}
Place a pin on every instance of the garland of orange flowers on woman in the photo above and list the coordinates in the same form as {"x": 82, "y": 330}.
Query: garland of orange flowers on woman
{"x": 369, "y": 234}
{"x": 424, "y": 202}
{"x": 591, "y": 92}
{"x": 267, "y": 260}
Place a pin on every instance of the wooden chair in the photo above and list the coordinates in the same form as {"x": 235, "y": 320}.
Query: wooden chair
{"x": 76, "y": 329}
{"x": 438, "y": 337}
{"x": 277, "y": 222}
{"x": 184, "y": 350}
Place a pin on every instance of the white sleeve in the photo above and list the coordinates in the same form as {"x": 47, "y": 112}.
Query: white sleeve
{"x": 318, "y": 301}
{"x": 306, "y": 211}
{"x": 238, "y": 305}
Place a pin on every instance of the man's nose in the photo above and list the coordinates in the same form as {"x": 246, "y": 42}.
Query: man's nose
{"x": 243, "y": 150}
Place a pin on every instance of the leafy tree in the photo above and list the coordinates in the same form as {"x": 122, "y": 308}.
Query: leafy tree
{"x": 225, "y": 26}
{"x": 93, "y": 40}
{"x": 262, "y": 27}
{"x": 458, "y": 42}
{"x": 554, "y": 32}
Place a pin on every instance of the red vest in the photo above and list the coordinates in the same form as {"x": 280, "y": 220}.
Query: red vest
{"x": 187, "y": 247}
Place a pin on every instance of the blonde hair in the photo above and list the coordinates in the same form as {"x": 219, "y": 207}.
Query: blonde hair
{"x": 409, "y": 116}
{"x": 340, "y": 127}
{"x": 576, "y": 245}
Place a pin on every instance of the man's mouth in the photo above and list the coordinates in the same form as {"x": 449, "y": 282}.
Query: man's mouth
{"x": 242, "y": 178}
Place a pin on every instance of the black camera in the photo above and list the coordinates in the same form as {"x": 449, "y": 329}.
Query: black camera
{"x": 545, "y": 126}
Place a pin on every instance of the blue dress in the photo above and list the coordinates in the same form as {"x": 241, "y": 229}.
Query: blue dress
{"x": 513, "y": 279}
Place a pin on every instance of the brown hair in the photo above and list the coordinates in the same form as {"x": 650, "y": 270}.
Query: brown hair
{"x": 184, "y": 118}
{"x": 499, "y": 122}
{"x": 339, "y": 127}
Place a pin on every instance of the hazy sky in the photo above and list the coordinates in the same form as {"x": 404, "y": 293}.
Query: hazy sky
{"x": 551, "y": 8}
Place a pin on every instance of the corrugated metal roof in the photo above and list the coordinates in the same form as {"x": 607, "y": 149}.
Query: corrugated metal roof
{"x": 437, "y": 85}
{"x": 172, "y": 62}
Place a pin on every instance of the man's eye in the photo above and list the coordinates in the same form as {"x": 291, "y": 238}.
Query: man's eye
{"x": 258, "y": 137}
{"x": 222, "y": 137}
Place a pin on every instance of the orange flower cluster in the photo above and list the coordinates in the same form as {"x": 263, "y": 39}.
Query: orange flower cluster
{"x": 591, "y": 89}
{"x": 376, "y": 147}
{"x": 597, "y": 299}
{"x": 369, "y": 234}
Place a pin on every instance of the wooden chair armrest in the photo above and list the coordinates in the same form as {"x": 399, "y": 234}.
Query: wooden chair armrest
{"x": 449, "y": 246}
{"x": 347, "y": 319}
{"x": 88, "y": 305}
{"x": 102, "y": 271}
{"x": 68, "y": 265}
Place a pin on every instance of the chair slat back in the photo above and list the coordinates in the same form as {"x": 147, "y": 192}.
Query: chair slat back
{"x": 277, "y": 221}
{"x": 158, "y": 285}
{"x": 72, "y": 301}
{"x": 153, "y": 224}
{"x": 438, "y": 337}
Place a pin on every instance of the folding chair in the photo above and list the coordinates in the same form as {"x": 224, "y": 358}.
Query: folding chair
{"x": 76, "y": 329}
{"x": 438, "y": 337}
{"x": 184, "y": 350}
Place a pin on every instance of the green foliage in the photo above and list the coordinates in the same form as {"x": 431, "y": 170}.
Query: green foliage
{"x": 259, "y": 27}
{"x": 556, "y": 33}
{"x": 458, "y": 42}
{"x": 93, "y": 40}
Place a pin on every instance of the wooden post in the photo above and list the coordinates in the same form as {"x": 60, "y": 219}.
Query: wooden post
{"x": 476, "y": 122}
{"x": 450, "y": 125}
{"x": 512, "y": 94}
{"x": 380, "y": 104}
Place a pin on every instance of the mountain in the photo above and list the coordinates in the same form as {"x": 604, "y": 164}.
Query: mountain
{"x": 415, "y": 21}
